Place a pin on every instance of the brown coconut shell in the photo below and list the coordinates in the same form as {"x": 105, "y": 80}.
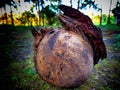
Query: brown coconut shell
{"x": 63, "y": 58}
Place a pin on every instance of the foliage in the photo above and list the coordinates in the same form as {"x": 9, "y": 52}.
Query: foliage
{"x": 117, "y": 42}
{"x": 22, "y": 75}
{"x": 116, "y": 12}
{"x": 49, "y": 14}
{"x": 27, "y": 18}
{"x": 90, "y": 3}
{"x": 46, "y": 12}
{"x": 8, "y": 2}
{"x": 110, "y": 27}
{"x": 104, "y": 76}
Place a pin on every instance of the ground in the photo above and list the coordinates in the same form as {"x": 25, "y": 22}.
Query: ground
{"x": 17, "y": 70}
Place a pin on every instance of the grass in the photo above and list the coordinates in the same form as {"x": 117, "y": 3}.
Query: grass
{"x": 105, "y": 76}
{"x": 111, "y": 27}
{"x": 21, "y": 75}
{"x": 117, "y": 43}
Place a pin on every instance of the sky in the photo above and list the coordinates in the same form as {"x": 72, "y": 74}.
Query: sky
{"x": 105, "y": 4}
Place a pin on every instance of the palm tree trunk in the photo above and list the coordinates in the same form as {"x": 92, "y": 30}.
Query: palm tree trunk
{"x": 59, "y": 2}
{"x": 38, "y": 4}
{"x": 101, "y": 17}
{"x": 42, "y": 15}
{"x": 109, "y": 13}
{"x": 2, "y": 17}
{"x": 71, "y": 3}
{"x": 12, "y": 20}
{"x": 6, "y": 15}
{"x": 78, "y": 7}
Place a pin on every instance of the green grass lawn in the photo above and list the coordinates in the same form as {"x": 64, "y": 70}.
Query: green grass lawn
{"x": 21, "y": 75}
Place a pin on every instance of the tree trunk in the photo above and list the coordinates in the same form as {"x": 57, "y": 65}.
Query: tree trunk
{"x": 71, "y": 3}
{"x": 109, "y": 13}
{"x": 36, "y": 7}
{"x": 39, "y": 12}
{"x": 6, "y": 15}
{"x": 2, "y": 17}
{"x": 59, "y": 3}
{"x": 42, "y": 15}
{"x": 101, "y": 18}
{"x": 78, "y": 7}
{"x": 12, "y": 20}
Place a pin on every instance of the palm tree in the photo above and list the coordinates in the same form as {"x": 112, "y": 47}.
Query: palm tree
{"x": 10, "y": 3}
{"x": 59, "y": 2}
{"x": 100, "y": 16}
{"x": 116, "y": 12}
{"x": 78, "y": 7}
{"x": 39, "y": 6}
{"x": 11, "y": 13}
{"x": 3, "y": 5}
{"x": 109, "y": 13}
{"x": 71, "y": 3}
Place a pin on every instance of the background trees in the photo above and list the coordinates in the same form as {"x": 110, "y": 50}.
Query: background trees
{"x": 43, "y": 12}
{"x": 116, "y": 12}
{"x": 10, "y": 3}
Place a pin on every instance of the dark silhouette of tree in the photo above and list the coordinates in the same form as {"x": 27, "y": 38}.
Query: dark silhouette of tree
{"x": 26, "y": 18}
{"x": 100, "y": 16}
{"x": 116, "y": 12}
{"x": 71, "y": 3}
{"x": 78, "y": 7}
{"x": 49, "y": 14}
{"x": 39, "y": 4}
{"x": 55, "y": 7}
{"x": 3, "y": 5}
{"x": 3, "y": 18}
{"x": 91, "y": 3}
{"x": 109, "y": 12}
{"x": 11, "y": 3}
{"x": 59, "y": 2}
{"x": 42, "y": 13}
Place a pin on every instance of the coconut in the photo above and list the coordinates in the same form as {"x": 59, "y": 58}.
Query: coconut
{"x": 62, "y": 58}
